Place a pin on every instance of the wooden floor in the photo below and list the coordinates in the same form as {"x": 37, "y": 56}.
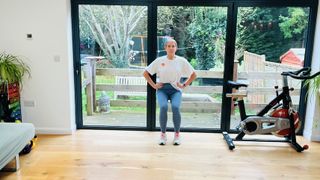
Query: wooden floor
{"x": 102, "y": 154}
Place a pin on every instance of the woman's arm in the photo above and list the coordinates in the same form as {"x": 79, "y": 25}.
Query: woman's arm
{"x": 150, "y": 81}
{"x": 192, "y": 77}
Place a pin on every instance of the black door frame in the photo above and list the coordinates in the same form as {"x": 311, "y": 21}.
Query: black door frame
{"x": 152, "y": 5}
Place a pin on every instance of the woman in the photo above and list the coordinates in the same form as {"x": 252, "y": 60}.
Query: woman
{"x": 170, "y": 69}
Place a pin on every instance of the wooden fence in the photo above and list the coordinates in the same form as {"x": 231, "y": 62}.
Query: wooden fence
{"x": 261, "y": 89}
{"x": 267, "y": 75}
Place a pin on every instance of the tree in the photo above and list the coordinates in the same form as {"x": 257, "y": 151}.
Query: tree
{"x": 173, "y": 22}
{"x": 181, "y": 20}
{"x": 208, "y": 30}
{"x": 111, "y": 27}
{"x": 295, "y": 24}
{"x": 270, "y": 31}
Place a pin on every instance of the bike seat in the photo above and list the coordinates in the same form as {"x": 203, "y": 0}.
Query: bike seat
{"x": 236, "y": 85}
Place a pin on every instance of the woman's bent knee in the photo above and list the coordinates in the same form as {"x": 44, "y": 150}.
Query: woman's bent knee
{"x": 164, "y": 108}
{"x": 175, "y": 109}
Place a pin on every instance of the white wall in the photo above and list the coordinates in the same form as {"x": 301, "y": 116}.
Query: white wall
{"x": 49, "y": 54}
{"x": 312, "y": 125}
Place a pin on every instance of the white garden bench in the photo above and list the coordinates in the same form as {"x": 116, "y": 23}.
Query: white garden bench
{"x": 129, "y": 80}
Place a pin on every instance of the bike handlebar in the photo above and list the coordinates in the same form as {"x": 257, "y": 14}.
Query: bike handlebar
{"x": 301, "y": 73}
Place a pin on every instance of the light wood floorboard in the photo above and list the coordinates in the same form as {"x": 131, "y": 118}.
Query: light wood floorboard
{"x": 103, "y": 154}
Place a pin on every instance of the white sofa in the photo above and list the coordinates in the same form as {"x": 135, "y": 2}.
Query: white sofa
{"x": 13, "y": 138}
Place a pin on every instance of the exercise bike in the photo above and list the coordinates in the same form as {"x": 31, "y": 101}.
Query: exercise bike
{"x": 282, "y": 121}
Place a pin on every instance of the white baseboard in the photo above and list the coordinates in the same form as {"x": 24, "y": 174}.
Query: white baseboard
{"x": 315, "y": 137}
{"x": 307, "y": 135}
{"x": 54, "y": 131}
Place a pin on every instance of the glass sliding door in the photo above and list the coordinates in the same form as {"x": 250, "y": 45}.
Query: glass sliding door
{"x": 113, "y": 52}
{"x": 269, "y": 40}
{"x": 201, "y": 34}
{"x": 111, "y": 42}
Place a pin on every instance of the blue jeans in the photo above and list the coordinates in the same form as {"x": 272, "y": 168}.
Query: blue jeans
{"x": 167, "y": 92}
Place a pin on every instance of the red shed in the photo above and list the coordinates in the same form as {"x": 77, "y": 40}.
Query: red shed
{"x": 295, "y": 56}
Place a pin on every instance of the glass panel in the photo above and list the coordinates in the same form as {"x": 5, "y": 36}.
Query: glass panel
{"x": 200, "y": 33}
{"x": 269, "y": 41}
{"x": 113, "y": 41}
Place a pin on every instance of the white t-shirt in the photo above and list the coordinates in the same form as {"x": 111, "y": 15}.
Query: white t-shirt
{"x": 170, "y": 71}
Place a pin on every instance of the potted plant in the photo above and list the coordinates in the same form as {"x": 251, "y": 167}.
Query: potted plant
{"x": 12, "y": 70}
{"x": 313, "y": 85}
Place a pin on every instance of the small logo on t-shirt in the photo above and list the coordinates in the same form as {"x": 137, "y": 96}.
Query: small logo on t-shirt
{"x": 163, "y": 64}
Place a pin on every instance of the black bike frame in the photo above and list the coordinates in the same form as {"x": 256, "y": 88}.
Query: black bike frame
{"x": 284, "y": 96}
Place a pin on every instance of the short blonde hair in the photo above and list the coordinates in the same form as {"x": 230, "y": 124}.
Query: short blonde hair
{"x": 170, "y": 40}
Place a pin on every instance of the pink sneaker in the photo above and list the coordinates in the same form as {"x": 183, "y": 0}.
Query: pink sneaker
{"x": 163, "y": 139}
{"x": 177, "y": 139}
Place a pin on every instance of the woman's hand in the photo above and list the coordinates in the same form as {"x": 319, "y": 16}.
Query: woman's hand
{"x": 150, "y": 81}
{"x": 158, "y": 86}
{"x": 181, "y": 86}
{"x": 192, "y": 77}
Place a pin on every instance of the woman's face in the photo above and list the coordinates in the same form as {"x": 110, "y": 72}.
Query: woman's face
{"x": 171, "y": 47}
